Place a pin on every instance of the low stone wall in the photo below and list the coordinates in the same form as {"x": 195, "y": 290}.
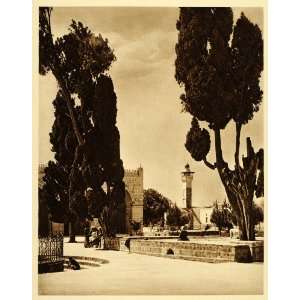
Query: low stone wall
{"x": 256, "y": 249}
{"x": 257, "y": 252}
{"x": 112, "y": 244}
{"x": 207, "y": 252}
{"x": 196, "y": 233}
{"x": 147, "y": 238}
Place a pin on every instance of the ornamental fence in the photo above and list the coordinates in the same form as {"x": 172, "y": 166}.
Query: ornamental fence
{"x": 51, "y": 248}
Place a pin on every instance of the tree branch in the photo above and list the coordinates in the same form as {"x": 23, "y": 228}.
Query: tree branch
{"x": 220, "y": 163}
{"x": 208, "y": 164}
{"x": 55, "y": 68}
{"x": 238, "y": 127}
{"x": 68, "y": 100}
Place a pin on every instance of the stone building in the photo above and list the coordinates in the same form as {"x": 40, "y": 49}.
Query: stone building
{"x": 203, "y": 214}
{"x": 134, "y": 184}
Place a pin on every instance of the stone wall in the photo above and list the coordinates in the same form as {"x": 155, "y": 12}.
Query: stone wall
{"x": 207, "y": 252}
{"x": 256, "y": 249}
{"x": 124, "y": 239}
{"x": 111, "y": 244}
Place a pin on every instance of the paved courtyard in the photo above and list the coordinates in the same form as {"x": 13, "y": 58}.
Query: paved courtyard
{"x": 134, "y": 274}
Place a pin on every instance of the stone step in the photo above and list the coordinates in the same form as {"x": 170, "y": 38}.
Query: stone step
{"x": 84, "y": 263}
{"x": 86, "y": 258}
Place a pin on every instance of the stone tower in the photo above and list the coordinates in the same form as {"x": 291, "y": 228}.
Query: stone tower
{"x": 187, "y": 178}
{"x": 134, "y": 184}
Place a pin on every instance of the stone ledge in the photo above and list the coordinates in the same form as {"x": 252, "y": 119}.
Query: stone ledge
{"x": 238, "y": 252}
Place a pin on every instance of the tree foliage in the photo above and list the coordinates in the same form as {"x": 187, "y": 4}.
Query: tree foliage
{"x": 197, "y": 141}
{"x": 203, "y": 63}
{"x": 220, "y": 64}
{"x": 257, "y": 215}
{"x": 247, "y": 65}
{"x": 221, "y": 216}
{"x": 155, "y": 206}
{"x": 176, "y": 217}
{"x": 84, "y": 137}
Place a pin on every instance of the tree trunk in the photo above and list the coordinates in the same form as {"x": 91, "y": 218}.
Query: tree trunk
{"x": 72, "y": 232}
{"x": 238, "y": 127}
{"x": 109, "y": 221}
{"x": 239, "y": 184}
{"x": 246, "y": 225}
{"x": 218, "y": 149}
{"x": 247, "y": 231}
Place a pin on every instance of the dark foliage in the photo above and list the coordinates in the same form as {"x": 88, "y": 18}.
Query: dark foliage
{"x": 176, "y": 217}
{"x": 221, "y": 82}
{"x": 197, "y": 141}
{"x": 155, "y": 205}
{"x": 85, "y": 138}
{"x": 222, "y": 216}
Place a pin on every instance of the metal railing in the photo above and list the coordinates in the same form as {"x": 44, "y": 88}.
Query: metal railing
{"x": 51, "y": 248}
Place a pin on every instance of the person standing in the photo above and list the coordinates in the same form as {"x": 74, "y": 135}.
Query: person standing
{"x": 100, "y": 235}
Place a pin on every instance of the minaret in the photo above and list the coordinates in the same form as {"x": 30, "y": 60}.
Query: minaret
{"x": 187, "y": 178}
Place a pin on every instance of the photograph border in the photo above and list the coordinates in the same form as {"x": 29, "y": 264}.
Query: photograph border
{"x": 35, "y": 130}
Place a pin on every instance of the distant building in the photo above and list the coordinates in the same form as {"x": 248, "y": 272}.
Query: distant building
{"x": 134, "y": 184}
{"x": 203, "y": 213}
{"x": 199, "y": 215}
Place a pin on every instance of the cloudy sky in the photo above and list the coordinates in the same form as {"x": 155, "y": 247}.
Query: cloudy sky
{"x": 150, "y": 121}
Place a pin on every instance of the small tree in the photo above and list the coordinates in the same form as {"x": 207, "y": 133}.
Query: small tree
{"x": 221, "y": 216}
{"x": 221, "y": 81}
{"x": 176, "y": 217}
{"x": 155, "y": 206}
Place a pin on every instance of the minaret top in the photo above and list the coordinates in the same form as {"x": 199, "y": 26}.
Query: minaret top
{"x": 187, "y": 170}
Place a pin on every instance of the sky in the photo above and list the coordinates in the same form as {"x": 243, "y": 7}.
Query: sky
{"x": 150, "y": 119}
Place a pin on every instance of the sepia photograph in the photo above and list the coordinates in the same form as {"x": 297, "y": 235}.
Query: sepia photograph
{"x": 151, "y": 141}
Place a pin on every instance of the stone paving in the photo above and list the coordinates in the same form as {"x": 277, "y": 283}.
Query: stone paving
{"x": 134, "y": 274}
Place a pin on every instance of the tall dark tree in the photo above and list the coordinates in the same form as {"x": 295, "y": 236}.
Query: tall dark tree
{"x": 78, "y": 61}
{"x": 56, "y": 178}
{"x": 221, "y": 81}
{"x": 155, "y": 206}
